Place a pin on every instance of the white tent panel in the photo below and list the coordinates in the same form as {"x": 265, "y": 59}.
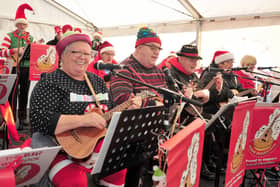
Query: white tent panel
{"x": 170, "y": 42}
{"x": 109, "y": 13}
{"x": 41, "y": 24}
{"x": 44, "y": 12}
{"x": 258, "y": 41}
{"x": 218, "y": 8}
{"x": 167, "y": 17}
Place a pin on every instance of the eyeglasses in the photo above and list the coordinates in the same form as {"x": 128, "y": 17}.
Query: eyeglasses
{"x": 78, "y": 54}
{"x": 229, "y": 62}
{"x": 153, "y": 48}
{"x": 109, "y": 54}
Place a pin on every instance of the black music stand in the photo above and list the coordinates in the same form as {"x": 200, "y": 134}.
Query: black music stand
{"x": 131, "y": 139}
{"x": 226, "y": 110}
{"x": 26, "y": 53}
{"x": 24, "y": 56}
{"x": 219, "y": 117}
{"x": 223, "y": 119}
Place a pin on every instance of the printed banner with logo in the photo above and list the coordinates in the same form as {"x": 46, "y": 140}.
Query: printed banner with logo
{"x": 43, "y": 59}
{"x": 237, "y": 148}
{"x": 184, "y": 152}
{"x": 35, "y": 163}
{"x": 264, "y": 141}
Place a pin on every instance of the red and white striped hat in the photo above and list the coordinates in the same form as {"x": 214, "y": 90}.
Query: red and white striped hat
{"x": 20, "y": 15}
{"x": 97, "y": 34}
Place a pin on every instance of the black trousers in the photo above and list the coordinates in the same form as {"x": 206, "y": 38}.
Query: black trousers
{"x": 141, "y": 172}
{"x": 20, "y": 92}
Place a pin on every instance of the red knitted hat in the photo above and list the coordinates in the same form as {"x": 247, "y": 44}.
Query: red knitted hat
{"x": 20, "y": 15}
{"x": 146, "y": 35}
{"x": 66, "y": 28}
{"x": 78, "y": 30}
{"x": 70, "y": 37}
{"x": 222, "y": 56}
{"x": 106, "y": 46}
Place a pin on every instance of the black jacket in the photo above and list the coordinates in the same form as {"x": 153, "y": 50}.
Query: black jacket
{"x": 229, "y": 82}
{"x": 53, "y": 42}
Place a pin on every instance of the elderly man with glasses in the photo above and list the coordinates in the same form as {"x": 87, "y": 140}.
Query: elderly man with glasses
{"x": 140, "y": 66}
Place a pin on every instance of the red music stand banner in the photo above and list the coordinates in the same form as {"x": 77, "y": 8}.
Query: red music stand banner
{"x": 6, "y": 85}
{"x": 43, "y": 59}
{"x": 236, "y": 164}
{"x": 264, "y": 140}
{"x": 7, "y": 113}
{"x": 184, "y": 155}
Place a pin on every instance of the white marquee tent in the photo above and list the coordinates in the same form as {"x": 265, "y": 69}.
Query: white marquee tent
{"x": 242, "y": 27}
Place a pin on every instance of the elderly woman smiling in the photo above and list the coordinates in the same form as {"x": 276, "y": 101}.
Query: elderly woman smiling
{"x": 60, "y": 102}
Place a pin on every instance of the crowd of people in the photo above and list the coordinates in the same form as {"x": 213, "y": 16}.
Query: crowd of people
{"x": 64, "y": 99}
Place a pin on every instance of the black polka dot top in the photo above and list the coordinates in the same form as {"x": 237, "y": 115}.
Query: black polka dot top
{"x": 57, "y": 93}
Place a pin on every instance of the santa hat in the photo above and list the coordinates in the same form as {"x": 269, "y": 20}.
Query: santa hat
{"x": 97, "y": 34}
{"x": 20, "y": 15}
{"x": 78, "y": 30}
{"x": 146, "y": 35}
{"x": 172, "y": 54}
{"x": 66, "y": 28}
{"x": 106, "y": 46}
{"x": 70, "y": 37}
{"x": 222, "y": 56}
{"x": 57, "y": 29}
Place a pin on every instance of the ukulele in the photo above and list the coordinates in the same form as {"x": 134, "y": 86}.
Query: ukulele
{"x": 236, "y": 93}
{"x": 190, "y": 109}
{"x": 265, "y": 141}
{"x": 80, "y": 142}
{"x": 14, "y": 59}
{"x": 245, "y": 92}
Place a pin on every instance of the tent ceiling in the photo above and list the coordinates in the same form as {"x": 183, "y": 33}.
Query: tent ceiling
{"x": 111, "y": 13}
{"x": 219, "y": 8}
